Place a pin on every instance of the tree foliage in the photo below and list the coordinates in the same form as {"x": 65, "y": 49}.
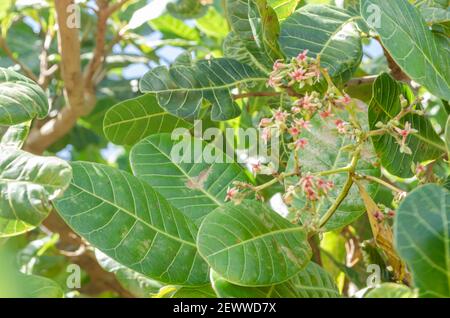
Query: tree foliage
{"x": 128, "y": 131}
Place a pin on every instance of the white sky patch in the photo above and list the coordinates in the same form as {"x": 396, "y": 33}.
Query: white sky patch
{"x": 277, "y": 204}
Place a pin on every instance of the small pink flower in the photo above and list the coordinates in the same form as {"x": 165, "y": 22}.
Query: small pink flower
{"x": 272, "y": 82}
{"x": 231, "y": 193}
{"x": 256, "y": 167}
{"x": 324, "y": 185}
{"x": 420, "y": 169}
{"x": 278, "y": 65}
{"x": 311, "y": 194}
{"x": 341, "y": 125}
{"x": 303, "y": 124}
{"x": 298, "y": 75}
{"x": 294, "y": 131}
{"x": 391, "y": 213}
{"x": 378, "y": 215}
{"x": 300, "y": 144}
{"x": 302, "y": 56}
{"x": 305, "y": 102}
{"x": 345, "y": 99}
{"x": 404, "y": 133}
{"x": 265, "y": 122}
{"x": 280, "y": 116}
{"x": 325, "y": 114}
{"x": 296, "y": 109}
{"x": 307, "y": 182}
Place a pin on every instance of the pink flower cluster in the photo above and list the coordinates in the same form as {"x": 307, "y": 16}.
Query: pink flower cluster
{"x": 314, "y": 187}
{"x": 300, "y": 71}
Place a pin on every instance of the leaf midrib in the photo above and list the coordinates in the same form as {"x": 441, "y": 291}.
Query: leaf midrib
{"x": 293, "y": 229}
{"x": 214, "y": 199}
{"x": 207, "y": 88}
{"x": 135, "y": 216}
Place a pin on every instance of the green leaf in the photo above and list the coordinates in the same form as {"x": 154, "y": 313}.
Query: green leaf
{"x": 186, "y": 9}
{"x": 32, "y": 286}
{"x": 195, "y": 188}
{"x": 181, "y": 89}
{"x": 311, "y": 282}
{"x": 10, "y": 228}
{"x": 255, "y": 24}
{"x": 132, "y": 120}
{"x": 391, "y": 290}
{"x": 20, "y": 99}
{"x": 326, "y": 151}
{"x": 197, "y": 292}
{"x": 133, "y": 224}
{"x": 385, "y": 105}
{"x": 27, "y": 183}
{"x": 134, "y": 282}
{"x": 283, "y": 8}
{"x": 172, "y": 27}
{"x": 447, "y": 136}
{"x": 415, "y": 48}
{"x": 251, "y": 245}
{"x": 325, "y": 31}
{"x": 233, "y": 48}
{"x": 213, "y": 24}
{"x": 16, "y": 135}
{"x": 422, "y": 237}
{"x": 433, "y": 14}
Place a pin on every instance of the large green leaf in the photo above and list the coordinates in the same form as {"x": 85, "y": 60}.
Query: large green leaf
{"x": 133, "y": 224}
{"x": 32, "y": 286}
{"x": 213, "y": 24}
{"x": 16, "y": 135}
{"x": 233, "y": 48}
{"x": 27, "y": 183}
{"x": 326, "y": 151}
{"x": 311, "y": 282}
{"x": 186, "y": 9}
{"x": 391, "y": 290}
{"x": 197, "y": 292}
{"x": 415, "y": 48}
{"x": 195, "y": 188}
{"x": 181, "y": 89}
{"x": 134, "y": 282}
{"x": 433, "y": 13}
{"x": 20, "y": 99}
{"x": 385, "y": 105}
{"x": 447, "y": 136}
{"x": 255, "y": 24}
{"x": 251, "y": 245}
{"x": 325, "y": 31}
{"x": 172, "y": 27}
{"x": 130, "y": 121}
{"x": 422, "y": 238}
{"x": 283, "y": 8}
{"x": 13, "y": 227}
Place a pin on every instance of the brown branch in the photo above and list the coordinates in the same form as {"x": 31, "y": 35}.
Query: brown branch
{"x": 69, "y": 48}
{"x": 45, "y": 73}
{"x": 100, "y": 280}
{"x": 396, "y": 71}
{"x": 361, "y": 80}
{"x": 79, "y": 90}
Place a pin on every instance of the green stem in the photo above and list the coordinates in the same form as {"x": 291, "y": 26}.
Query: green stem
{"x": 327, "y": 216}
{"x": 345, "y": 190}
{"x": 380, "y": 181}
{"x": 280, "y": 178}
